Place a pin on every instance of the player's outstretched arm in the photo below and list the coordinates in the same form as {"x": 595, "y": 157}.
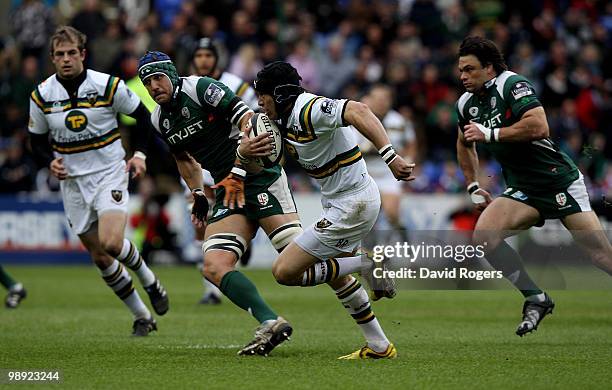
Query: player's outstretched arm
{"x": 141, "y": 139}
{"x": 191, "y": 171}
{"x": 531, "y": 127}
{"x": 468, "y": 161}
{"x": 363, "y": 119}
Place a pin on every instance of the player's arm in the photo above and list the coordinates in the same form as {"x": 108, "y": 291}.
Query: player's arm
{"x": 467, "y": 157}
{"x": 531, "y": 127}
{"x": 363, "y": 119}
{"x": 191, "y": 171}
{"x": 127, "y": 102}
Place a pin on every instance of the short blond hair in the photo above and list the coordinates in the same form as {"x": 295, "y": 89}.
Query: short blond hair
{"x": 68, "y": 34}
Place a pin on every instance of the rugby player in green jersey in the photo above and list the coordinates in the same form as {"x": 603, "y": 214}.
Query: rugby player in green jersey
{"x": 195, "y": 117}
{"x": 501, "y": 110}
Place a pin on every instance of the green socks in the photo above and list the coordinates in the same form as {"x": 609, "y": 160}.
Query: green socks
{"x": 6, "y": 280}
{"x": 505, "y": 259}
{"x": 240, "y": 290}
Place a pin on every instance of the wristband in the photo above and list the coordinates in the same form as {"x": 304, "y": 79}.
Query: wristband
{"x": 473, "y": 186}
{"x": 387, "y": 153}
{"x": 239, "y": 172}
{"x": 198, "y": 191}
{"x": 140, "y": 155}
{"x": 495, "y": 134}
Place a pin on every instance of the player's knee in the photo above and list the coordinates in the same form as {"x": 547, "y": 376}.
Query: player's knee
{"x": 221, "y": 252}
{"x": 112, "y": 245}
{"x": 283, "y": 273}
{"x": 216, "y": 266}
{"x": 489, "y": 240}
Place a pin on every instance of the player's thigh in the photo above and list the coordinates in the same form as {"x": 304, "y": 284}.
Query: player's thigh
{"x": 589, "y": 234}
{"x": 91, "y": 242}
{"x": 111, "y": 230}
{"x": 225, "y": 240}
{"x": 503, "y": 218}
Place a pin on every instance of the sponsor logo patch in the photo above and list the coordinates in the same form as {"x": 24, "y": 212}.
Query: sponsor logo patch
{"x": 263, "y": 198}
{"x": 561, "y": 199}
{"x": 521, "y": 89}
{"x": 342, "y": 243}
{"x": 329, "y": 106}
{"x": 519, "y": 195}
{"x": 323, "y": 224}
{"x": 166, "y": 123}
{"x": 76, "y": 121}
{"x": 91, "y": 97}
{"x": 117, "y": 195}
{"x": 493, "y": 102}
{"x": 185, "y": 112}
{"x": 220, "y": 212}
{"x": 473, "y": 111}
{"x": 213, "y": 95}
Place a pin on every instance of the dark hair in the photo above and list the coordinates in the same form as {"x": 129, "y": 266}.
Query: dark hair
{"x": 68, "y": 34}
{"x": 485, "y": 50}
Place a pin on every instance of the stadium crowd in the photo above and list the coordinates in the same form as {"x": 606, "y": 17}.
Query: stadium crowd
{"x": 341, "y": 48}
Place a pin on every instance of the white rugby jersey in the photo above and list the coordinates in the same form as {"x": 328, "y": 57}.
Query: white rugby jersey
{"x": 323, "y": 145}
{"x": 241, "y": 88}
{"x": 83, "y": 132}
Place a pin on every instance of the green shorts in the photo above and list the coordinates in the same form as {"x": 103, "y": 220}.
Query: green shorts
{"x": 554, "y": 204}
{"x": 266, "y": 194}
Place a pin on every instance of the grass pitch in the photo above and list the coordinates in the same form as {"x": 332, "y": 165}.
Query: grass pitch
{"x": 446, "y": 339}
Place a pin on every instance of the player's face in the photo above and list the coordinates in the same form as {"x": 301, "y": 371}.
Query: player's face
{"x": 159, "y": 87}
{"x": 204, "y": 62}
{"x": 68, "y": 59}
{"x": 266, "y": 102}
{"x": 472, "y": 74}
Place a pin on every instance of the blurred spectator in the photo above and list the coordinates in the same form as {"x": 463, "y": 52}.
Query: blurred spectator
{"x": 32, "y": 24}
{"x": 90, "y": 20}
{"x": 17, "y": 171}
{"x": 336, "y": 69}
{"x": 306, "y": 66}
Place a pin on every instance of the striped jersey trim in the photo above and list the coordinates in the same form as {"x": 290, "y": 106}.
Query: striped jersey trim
{"x": 305, "y": 119}
{"x": 242, "y": 89}
{"x": 82, "y": 102}
{"x": 88, "y": 144}
{"x": 340, "y": 161}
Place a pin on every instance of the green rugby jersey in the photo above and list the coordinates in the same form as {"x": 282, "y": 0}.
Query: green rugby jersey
{"x": 536, "y": 165}
{"x": 199, "y": 121}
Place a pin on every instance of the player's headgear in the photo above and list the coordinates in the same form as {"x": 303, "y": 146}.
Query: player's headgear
{"x": 281, "y": 81}
{"x": 156, "y": 62}
{"x": 206, "y": 44}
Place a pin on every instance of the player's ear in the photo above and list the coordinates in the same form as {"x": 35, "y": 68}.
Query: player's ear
{"x": 83, "y": 53}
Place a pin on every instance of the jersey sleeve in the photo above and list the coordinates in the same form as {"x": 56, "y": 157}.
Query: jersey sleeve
{"x": 520, "y": 96}
{"x": 218, "y": 97}
{"x": 125, "y": 101}
{"x": 37, "y": 123}
{"x": 323, "y": 114}
{"x": 461, "y": 119}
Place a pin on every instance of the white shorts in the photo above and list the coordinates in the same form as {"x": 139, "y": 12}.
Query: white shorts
{"x": 86, "y": 197}
{"x": 345, "y": 221}
{"x": 382, "y": 175}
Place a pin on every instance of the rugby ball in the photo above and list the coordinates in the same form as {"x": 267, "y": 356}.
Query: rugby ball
{"x": 260, "y": 124}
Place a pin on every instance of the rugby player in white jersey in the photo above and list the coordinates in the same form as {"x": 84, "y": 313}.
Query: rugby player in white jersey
{"x": 205, "y": 62}
{"x": 317, "y": 135}
{"x": 75, "y": 111}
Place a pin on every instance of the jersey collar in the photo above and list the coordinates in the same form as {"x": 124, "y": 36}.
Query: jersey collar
{"x": 490, "y": 83}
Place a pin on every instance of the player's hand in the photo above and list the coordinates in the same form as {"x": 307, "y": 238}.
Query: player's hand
{"x": 259, "y": 146}
{"x": 481, "y": 199}
{"x": 199, "y": 210}
{"x": 234, "y": 189}
{"x": 475, "y": 132}
{"x": 137, "y": 165}
{"x": 57, "y": 168}
{"x": 401, "y": 169}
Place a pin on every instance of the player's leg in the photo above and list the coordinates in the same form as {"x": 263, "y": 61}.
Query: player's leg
{"x": 589, "y": 234}
{"x": 501, "y": 219}
{"x": 16, "y": 291}
{"x": 355, "y": 299}
{"x": 119, "y": 280}
{"x": 111, "y": 227}
{"x": 110, "y": 204}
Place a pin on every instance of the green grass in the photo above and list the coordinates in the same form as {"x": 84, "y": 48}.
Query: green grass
{"x": 446, "y": 339}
